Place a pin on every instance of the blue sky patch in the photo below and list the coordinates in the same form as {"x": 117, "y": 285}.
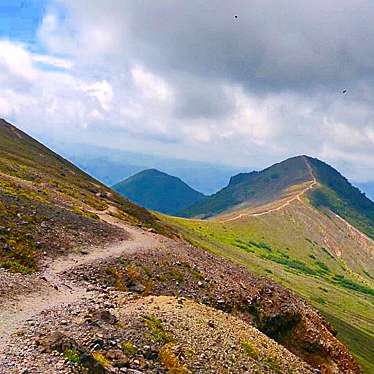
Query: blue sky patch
{"x": 20, "y": 19}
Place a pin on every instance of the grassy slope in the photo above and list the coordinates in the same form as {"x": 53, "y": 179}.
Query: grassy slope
{"x": 158, "y": 191}
{"x": 42, "y": 194}
{"x": 266, "y": 247}
{"x": 339, "y": 196}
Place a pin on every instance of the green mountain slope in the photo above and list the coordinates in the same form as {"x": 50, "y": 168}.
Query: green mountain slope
{"x": 338, "y": 195}
{"x": 253, "y": 189}
{"x": 326, "y": 188}
{"x": 48, "y": 206}
{"x": 294, "y": 222}
{"x": 307, "y": 251}
{"x": 158, "y": 191}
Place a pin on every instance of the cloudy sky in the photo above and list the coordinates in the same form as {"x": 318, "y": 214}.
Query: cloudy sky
{"x": 239, "y": 82}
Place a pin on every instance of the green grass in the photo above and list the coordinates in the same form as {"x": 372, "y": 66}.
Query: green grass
{"x": 359, "y": 340}
{"x": 73, "y": 356}
{"x": 157, "y": 330}
{"x": 351, "y": 285}
{"x": 303, "y": 266}
{"x": 249, "y": 349}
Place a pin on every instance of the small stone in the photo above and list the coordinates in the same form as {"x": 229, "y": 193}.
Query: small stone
{"x": 211, "y": 324}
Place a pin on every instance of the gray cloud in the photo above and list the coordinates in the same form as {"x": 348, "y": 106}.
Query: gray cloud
{"x": 287, "y": 44}
{"x": 189, "y": 79}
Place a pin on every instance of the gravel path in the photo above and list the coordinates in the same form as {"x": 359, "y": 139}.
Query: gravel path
{"x": 55, "y": 292}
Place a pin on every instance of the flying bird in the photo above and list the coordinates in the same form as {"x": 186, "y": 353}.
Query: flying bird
{"x": 344, "y": 91}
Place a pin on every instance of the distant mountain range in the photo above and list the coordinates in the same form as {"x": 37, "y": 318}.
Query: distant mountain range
{"x": 253, "y": 189}
{"x": 325, "y": 186}
{"x": 282, "y": 182}
{"x": 111, "y": 166}
{"x": 159, "y": 191}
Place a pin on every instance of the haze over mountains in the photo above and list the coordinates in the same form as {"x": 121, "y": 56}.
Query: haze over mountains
{"x": 111, "y": 166}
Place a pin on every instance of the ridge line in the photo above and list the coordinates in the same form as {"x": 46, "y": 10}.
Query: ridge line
{"x": 297, "y": 197}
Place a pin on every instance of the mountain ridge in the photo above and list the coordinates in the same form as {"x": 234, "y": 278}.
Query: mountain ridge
{"x": 254, "y": 188}
{"x": 287, "y": 181}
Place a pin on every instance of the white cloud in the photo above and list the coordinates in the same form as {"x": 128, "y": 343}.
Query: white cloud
{"x": 209, "y": 91}
{"x": 15, "y": 61}
{"x": 151, "y": 86}
{"x": 102, "y": 91}
{"x": 52, "y": 61}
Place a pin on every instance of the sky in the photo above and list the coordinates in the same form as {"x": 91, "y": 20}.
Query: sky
{"x": 242, "y": 82}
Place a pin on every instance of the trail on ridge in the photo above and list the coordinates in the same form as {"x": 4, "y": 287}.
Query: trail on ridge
{"x": 288, "y": 201}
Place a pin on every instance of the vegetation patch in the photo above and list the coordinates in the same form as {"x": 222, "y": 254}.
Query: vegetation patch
{"x": 101, "y": 359}
{"x": 273, "y": 364}
{"x": 157, "y": 331}
{"x": 351, "y": 285}
{"x": 290, "y": 263}
{"x": 170, "y": 361}
{"x": 129, "y": 348}
{"x": 260, "y": 245}
{"x": 249, "y": 349}
{"x": 73, "y": 356}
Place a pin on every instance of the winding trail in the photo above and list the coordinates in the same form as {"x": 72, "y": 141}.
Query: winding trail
{"x": 56, "y": 292}
{"x": 297, "y": 197}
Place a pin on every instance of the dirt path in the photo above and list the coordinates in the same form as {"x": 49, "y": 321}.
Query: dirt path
{"x": 57, "y": 292}
{"x": 311, "y": 185}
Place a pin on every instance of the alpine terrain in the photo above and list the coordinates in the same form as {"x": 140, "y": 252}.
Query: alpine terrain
{"x": 301, "y": 223}
{"x": 92, "y": 283}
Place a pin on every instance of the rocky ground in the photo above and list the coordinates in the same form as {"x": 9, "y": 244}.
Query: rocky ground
{"x": 148, "y": 304}
{"x": 179, "y": 269}
{"x": 115, "y": 332}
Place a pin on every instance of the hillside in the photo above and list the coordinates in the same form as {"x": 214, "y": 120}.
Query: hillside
{"x": 253, "y": 189}
{"x": 367, "y": 188}
{"x": 48, "y": 206}
{"x": 105, "y": 292}
{"x": 311, "y": 232}
{"x": 338, "y": 195}
{"x": 158, "y": 191}
{"x": 307, "y": 252}
{"x": 288, "y": 181}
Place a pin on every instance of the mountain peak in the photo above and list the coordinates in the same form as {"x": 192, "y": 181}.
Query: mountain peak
{"x": 158, "y": 191}
{"x": 256, "y": 188}
{"x": 288, "y": 181}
